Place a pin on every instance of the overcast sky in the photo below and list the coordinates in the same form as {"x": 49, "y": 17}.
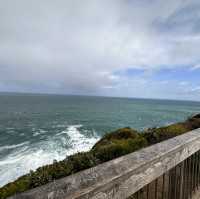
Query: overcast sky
{"x": 130, "y": 48}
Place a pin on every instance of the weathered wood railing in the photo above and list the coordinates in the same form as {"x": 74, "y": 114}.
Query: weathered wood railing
{"x": 168, "y": 170}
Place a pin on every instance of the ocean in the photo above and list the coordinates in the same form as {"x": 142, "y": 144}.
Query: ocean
{"x": 37, "y": 129}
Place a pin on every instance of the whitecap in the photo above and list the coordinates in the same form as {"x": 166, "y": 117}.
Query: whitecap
{"x": 12, "y": 146}
{"x": 10, "y": 128}
{"x": 38, "y": 132}
{"x": 30, "y": 157}
{"x": 79, "y": 142}
{"x": 70, "y": 128}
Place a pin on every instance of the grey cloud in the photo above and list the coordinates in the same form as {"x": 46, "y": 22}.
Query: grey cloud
{"x": 184, "y": 21}
{"x": 75, "y": 46}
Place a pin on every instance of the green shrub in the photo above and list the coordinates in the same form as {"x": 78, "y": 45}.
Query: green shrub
{"x": 155, "y": 135}
{"x": 20, "y": 185}
{"x": 117, "y": 148}
{"x": 48, "y": 173}
{"x": 170, "y": 131}
{"x": 120, "y": 134}
{"x": 81, "y": 161}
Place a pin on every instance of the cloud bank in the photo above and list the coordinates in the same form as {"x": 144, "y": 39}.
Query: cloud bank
{"x": 115, "y": 47}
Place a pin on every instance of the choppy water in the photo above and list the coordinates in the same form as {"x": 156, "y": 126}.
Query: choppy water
{"x": 36, "y": 129}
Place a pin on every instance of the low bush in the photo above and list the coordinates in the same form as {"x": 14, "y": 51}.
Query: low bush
{"x": 155, "y": 135}
{"x": 117, "y": 148}
{"x": 120, "y": 134}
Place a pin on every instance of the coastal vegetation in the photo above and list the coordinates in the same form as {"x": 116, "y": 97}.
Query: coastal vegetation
{"x": 112, "y": 145}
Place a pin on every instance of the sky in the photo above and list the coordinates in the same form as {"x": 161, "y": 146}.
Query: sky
{"x": 125, "y": 48}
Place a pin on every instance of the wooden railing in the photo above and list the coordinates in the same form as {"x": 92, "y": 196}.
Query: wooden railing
{"x": 168, "y": 170}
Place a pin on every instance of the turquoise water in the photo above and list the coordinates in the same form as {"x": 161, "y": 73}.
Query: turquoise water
{"x": 36, "y": 129}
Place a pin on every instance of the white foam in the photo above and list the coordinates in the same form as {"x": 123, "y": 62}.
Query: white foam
{"x": 38, "y": 132}
{"x": 79, "y": 142}
{"x": 72, "y": 128}
{"x": 10, "y": 128}
{"x": 27, "y": 158}
{"x": 12, "y": 146}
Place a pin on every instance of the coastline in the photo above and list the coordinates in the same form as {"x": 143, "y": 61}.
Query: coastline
{"x": 114, "y": 144}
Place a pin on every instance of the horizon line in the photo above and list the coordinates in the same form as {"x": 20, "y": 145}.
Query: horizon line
{"x": 87, "y": 95}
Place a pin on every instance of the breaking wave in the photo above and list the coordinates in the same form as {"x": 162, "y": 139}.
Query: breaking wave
{"x": 28, "y": 156}
{"x": 2, "y": 148}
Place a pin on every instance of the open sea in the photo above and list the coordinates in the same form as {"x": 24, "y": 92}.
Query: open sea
{"x": 37, "y": 129}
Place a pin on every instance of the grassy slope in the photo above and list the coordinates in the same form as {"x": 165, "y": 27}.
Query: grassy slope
{"x": 112, "y": 145}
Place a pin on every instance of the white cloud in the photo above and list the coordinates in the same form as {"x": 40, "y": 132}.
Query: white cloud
{"x": 196, "y": 89}
{"x": 196, "y": 67}
{"x": 183, "y": 83}
{"x": 76, "y": 46}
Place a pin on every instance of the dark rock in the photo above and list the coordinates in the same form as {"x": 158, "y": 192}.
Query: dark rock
{"x": 197, "y": 116}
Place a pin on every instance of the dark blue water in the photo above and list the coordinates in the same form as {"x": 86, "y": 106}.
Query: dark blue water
{"x": 36, "y": 129}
